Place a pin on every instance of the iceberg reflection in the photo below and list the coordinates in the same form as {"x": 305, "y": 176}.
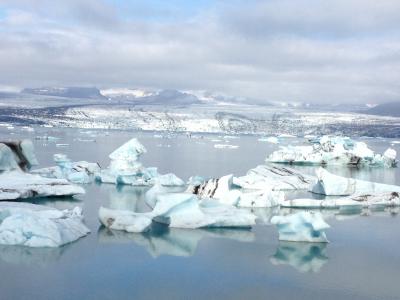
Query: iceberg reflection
{"x": 304, "y": 257}
{"x": 162, "y": 240}
{"x": 20, "y": 255}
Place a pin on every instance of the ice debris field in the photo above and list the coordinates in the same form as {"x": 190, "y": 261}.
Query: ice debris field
{"x": 196, "y": 203}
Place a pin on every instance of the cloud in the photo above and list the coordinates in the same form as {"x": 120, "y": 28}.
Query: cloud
{"x": 303, "y": 50}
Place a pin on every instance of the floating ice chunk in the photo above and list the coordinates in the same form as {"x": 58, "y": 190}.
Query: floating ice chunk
{"x": 224, "y": 190}
{"x": 124, "y": 220}
{"x": 158, "y": 189}
{"x": 76, "y": 172}
{"x": 301, "y": 227}
{"x": 271, "y": 139}
{"x": 275, "y": 178}
{"x": 334, "y": 185}
{"x": 196, "y": 180}
{"x": 225, "y": 146}
{"x": 7, "y": 159}
{"x": 330, "y": 150}
{"x": 304, "y": 257}
{"x": 28, "y": 152}
{"x": 39, "y": 226}
{"x": 125, "y": 168}
{"x": 179, "y": 210}
{"x": 170, "y": 180}
{"x": 355, "y": 201}
{"x": 17, "y": 185}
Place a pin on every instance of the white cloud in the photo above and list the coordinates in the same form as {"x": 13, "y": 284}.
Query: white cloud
{"x": 267, "y": 50}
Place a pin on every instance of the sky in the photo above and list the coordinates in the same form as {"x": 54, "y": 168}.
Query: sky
{"x": 331, "y": 51}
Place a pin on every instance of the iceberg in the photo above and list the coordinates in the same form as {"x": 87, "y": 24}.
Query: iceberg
{"x": 170, "y": 180}
{"x": 19, "y": 185}
{"x": 124, "y": 220}
{"x": 334, "y": 185}
{"x": 17, "y": 155}
{"x": 225, "y": 191}
{"x": 178, "y": 210}
{"x": 301, "y": 227}
{"x": 359, "y": 201}
{"x": 125, "y": 167}
{"x": 33, "y": 225}
{"x": 76, "y": 172}
{"x": 275, "y": 178}
{"x": 333, "y": 150}
{"x": 304, "y": 257}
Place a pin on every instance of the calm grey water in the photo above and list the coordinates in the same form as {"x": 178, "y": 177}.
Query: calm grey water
{"x": 361, "y": 262}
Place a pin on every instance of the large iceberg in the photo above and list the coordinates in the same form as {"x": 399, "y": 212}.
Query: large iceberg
{"x": 330, "y": 150}
{"x": 125, "y": 168}
{"x": 18, "y": 185}
{"x": 301, "y": 227}
{"x": 39, "y": 226}
{"x": 377, "y": 200}
{"x": 76, "y": 172}
{"x": 178, "y": 210}
{"x": 334, "y": 185}
{"x": 275, "y": 178}
{"x": 17, "y": 155}
{"x": 227, "y": 192}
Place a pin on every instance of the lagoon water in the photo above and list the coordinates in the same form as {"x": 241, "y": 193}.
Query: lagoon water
{"x": 361, "y": 262}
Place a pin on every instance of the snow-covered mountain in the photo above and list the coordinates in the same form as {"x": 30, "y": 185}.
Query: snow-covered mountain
{"x": 66, "y": 92}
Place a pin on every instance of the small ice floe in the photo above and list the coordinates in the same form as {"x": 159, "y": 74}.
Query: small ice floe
{"x": 170, "y": 179}
{"x": 275, "y": 178}
{"x": 39, "y": 226}
{"x": 304, "y": 257}
{"x": 223, "y": 190}
{"x": 20, "y": 185}
{"x": 125, "y": 168}
{"x": 47, "y": 138}
{"x": 225, "y": 146}
{"x": 27, "y": 128}
{"x": 287, "y": 136}
{"x": 178, "y": 210}
{"x": 330, "y": 150}
{"x": 76, "y": 172}
{"x": 359, "y": 201}
{"x": 396, "y": 142}
{"x": 271, "y": 139}
{"x": 334, "y": 185}
{"x": 301, "y": 227}
{"x": 196, "y": 180}
{"x": 62, "y": 145}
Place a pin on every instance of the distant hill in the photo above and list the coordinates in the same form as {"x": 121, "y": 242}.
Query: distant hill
{"x": 66, "y": 92}
{"x": 386, "y": 109}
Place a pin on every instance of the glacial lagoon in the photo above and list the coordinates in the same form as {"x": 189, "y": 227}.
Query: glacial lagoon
{"x": 362, "y": 260}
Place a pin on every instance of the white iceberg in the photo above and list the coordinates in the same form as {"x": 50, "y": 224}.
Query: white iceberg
{"x": 275, "y": 178}
{"x": 39, "y": 226}
{"x": 388, "y": 199}
{"x": 170, "y": 179}
{"x": 301, "y": 227}
{"x": 334, "y": 185}
{"x": 124, "y": 220}
{"x": 226, "y": 192}
{"x": 330, "y": 150}
{"x": 178, "y": 210}
{"x": 304, "y": 257}
{"x": 125, "y": 167}
{"x": 19, "y": 185}
{"x": 76, "y": 172}
{"x": 271, "y": 139}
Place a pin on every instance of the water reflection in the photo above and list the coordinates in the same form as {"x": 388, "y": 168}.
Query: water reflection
{"x": 304, "y": 257}
{"x": 162, "y": 240}
{"x": 21, "y": 255}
